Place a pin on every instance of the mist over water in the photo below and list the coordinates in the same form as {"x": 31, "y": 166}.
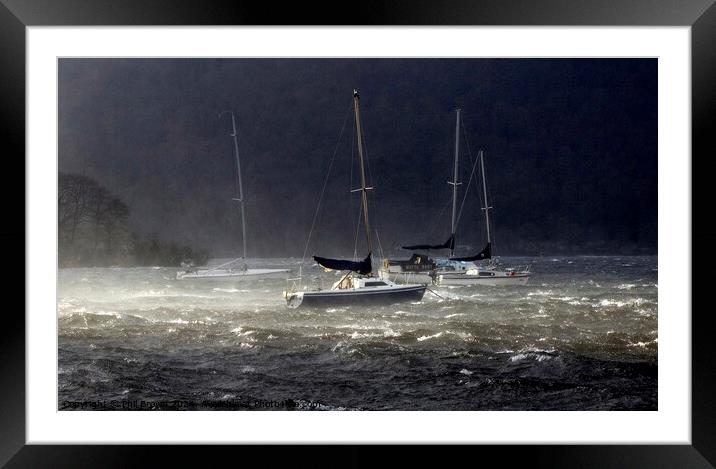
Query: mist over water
{"x": 582, "y": 335}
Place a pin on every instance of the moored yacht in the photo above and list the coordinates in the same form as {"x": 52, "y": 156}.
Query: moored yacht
{"x": 235, "y": 269}
{"x": 358, "y": 286}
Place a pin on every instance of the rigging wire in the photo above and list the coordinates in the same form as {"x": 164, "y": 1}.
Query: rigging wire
{"x": 380, "y": 247}
{"x": 487, "y": 187}
{"x": 467, "y": 189}
{"x": 355, "y": 242}
{"x": 325, "y": 183}
{"x": 474, "y": 162}
{"x": 438, "y": 220}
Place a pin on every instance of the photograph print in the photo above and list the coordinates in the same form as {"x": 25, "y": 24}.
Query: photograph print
{"x": 317, "y": 234}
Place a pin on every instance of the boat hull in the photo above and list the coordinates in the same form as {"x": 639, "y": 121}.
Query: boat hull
{"x": 360, "y": 297}
{"x": 423, "y": 278}
{"x": 249, "y": 274}
{"x": 467, "y": 279}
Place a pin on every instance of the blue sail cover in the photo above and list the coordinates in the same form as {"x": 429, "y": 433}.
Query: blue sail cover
{"x": 484, "y": 254}
{"x": 363, "y": 267}
{"x": 449, "y": 244}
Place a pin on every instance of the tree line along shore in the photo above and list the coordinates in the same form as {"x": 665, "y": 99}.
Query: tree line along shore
{"x": 93, "y": 231}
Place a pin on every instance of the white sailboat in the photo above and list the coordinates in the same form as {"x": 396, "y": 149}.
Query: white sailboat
{"x": 490, "y": 274}
{"x": 234, "y": 269}
{"x": 455, "y": 270}
{"x": 357, "y": 286}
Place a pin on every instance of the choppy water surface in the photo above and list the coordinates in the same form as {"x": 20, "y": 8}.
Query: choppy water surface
{"x": 582, "y": 335}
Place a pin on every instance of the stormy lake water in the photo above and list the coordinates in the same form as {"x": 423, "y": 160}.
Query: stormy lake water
{"x": 582, "y": 335}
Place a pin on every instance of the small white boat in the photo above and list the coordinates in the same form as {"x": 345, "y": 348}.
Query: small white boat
{"x": 484, "y": 276}
{"x": 226, "y": 272}
{"x": 358, "y": 286}
{"x": 235, "y": 269}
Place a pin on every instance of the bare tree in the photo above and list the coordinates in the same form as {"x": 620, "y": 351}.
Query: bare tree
{"x": 74, "y": 193}
{"x": 114, "y": 224}
{"x": 93, "y": 229}
{"x": 91, "y": 220}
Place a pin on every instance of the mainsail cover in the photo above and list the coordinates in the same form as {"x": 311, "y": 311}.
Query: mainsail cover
{"x": 363, "y": 267}
{"x": 449, "y": 244}
{"x": 484, "y": 254}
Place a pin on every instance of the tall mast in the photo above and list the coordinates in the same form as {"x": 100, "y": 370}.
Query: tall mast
{"x": 240, "y": 196}
{"x": 363, "y": 189}
{"x": 486, "y": 208}
{"x": 454, "y": 182}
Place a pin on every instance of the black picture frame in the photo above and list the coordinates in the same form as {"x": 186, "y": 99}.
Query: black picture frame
{"x": 16, "y": 15}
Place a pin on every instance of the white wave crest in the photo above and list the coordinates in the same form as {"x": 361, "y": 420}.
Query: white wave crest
{"x": 364, "y": 335}
{"x": 607, "y": 303}
{"x": 428, "y": 337}
{"x": 178, "y": 321}
{"x": 541, "y": 293}
{"x": 239, "y": 331}
{"x": 643, "y": 344}
{"x": 533, "y": 353}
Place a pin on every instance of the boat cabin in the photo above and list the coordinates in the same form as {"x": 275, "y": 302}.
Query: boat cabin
{"x": 349, "y": 281}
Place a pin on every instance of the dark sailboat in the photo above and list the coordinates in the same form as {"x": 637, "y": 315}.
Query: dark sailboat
{"x": 358, "y": 286}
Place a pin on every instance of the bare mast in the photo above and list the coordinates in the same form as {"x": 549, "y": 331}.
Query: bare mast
{"x": 240, "y": 195}
{"x": 364, "y": 190}
{"x": 454, "y": 182}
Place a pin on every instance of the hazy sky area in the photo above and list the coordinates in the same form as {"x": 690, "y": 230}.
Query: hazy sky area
{"x": 570, "y": 148}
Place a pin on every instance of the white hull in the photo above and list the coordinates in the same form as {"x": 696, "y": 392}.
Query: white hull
{"x": 422, "y": 278}
{"x": 499, "y": 279}
{"x": 361, "y": 296}
{"x": 248, "y": 274}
